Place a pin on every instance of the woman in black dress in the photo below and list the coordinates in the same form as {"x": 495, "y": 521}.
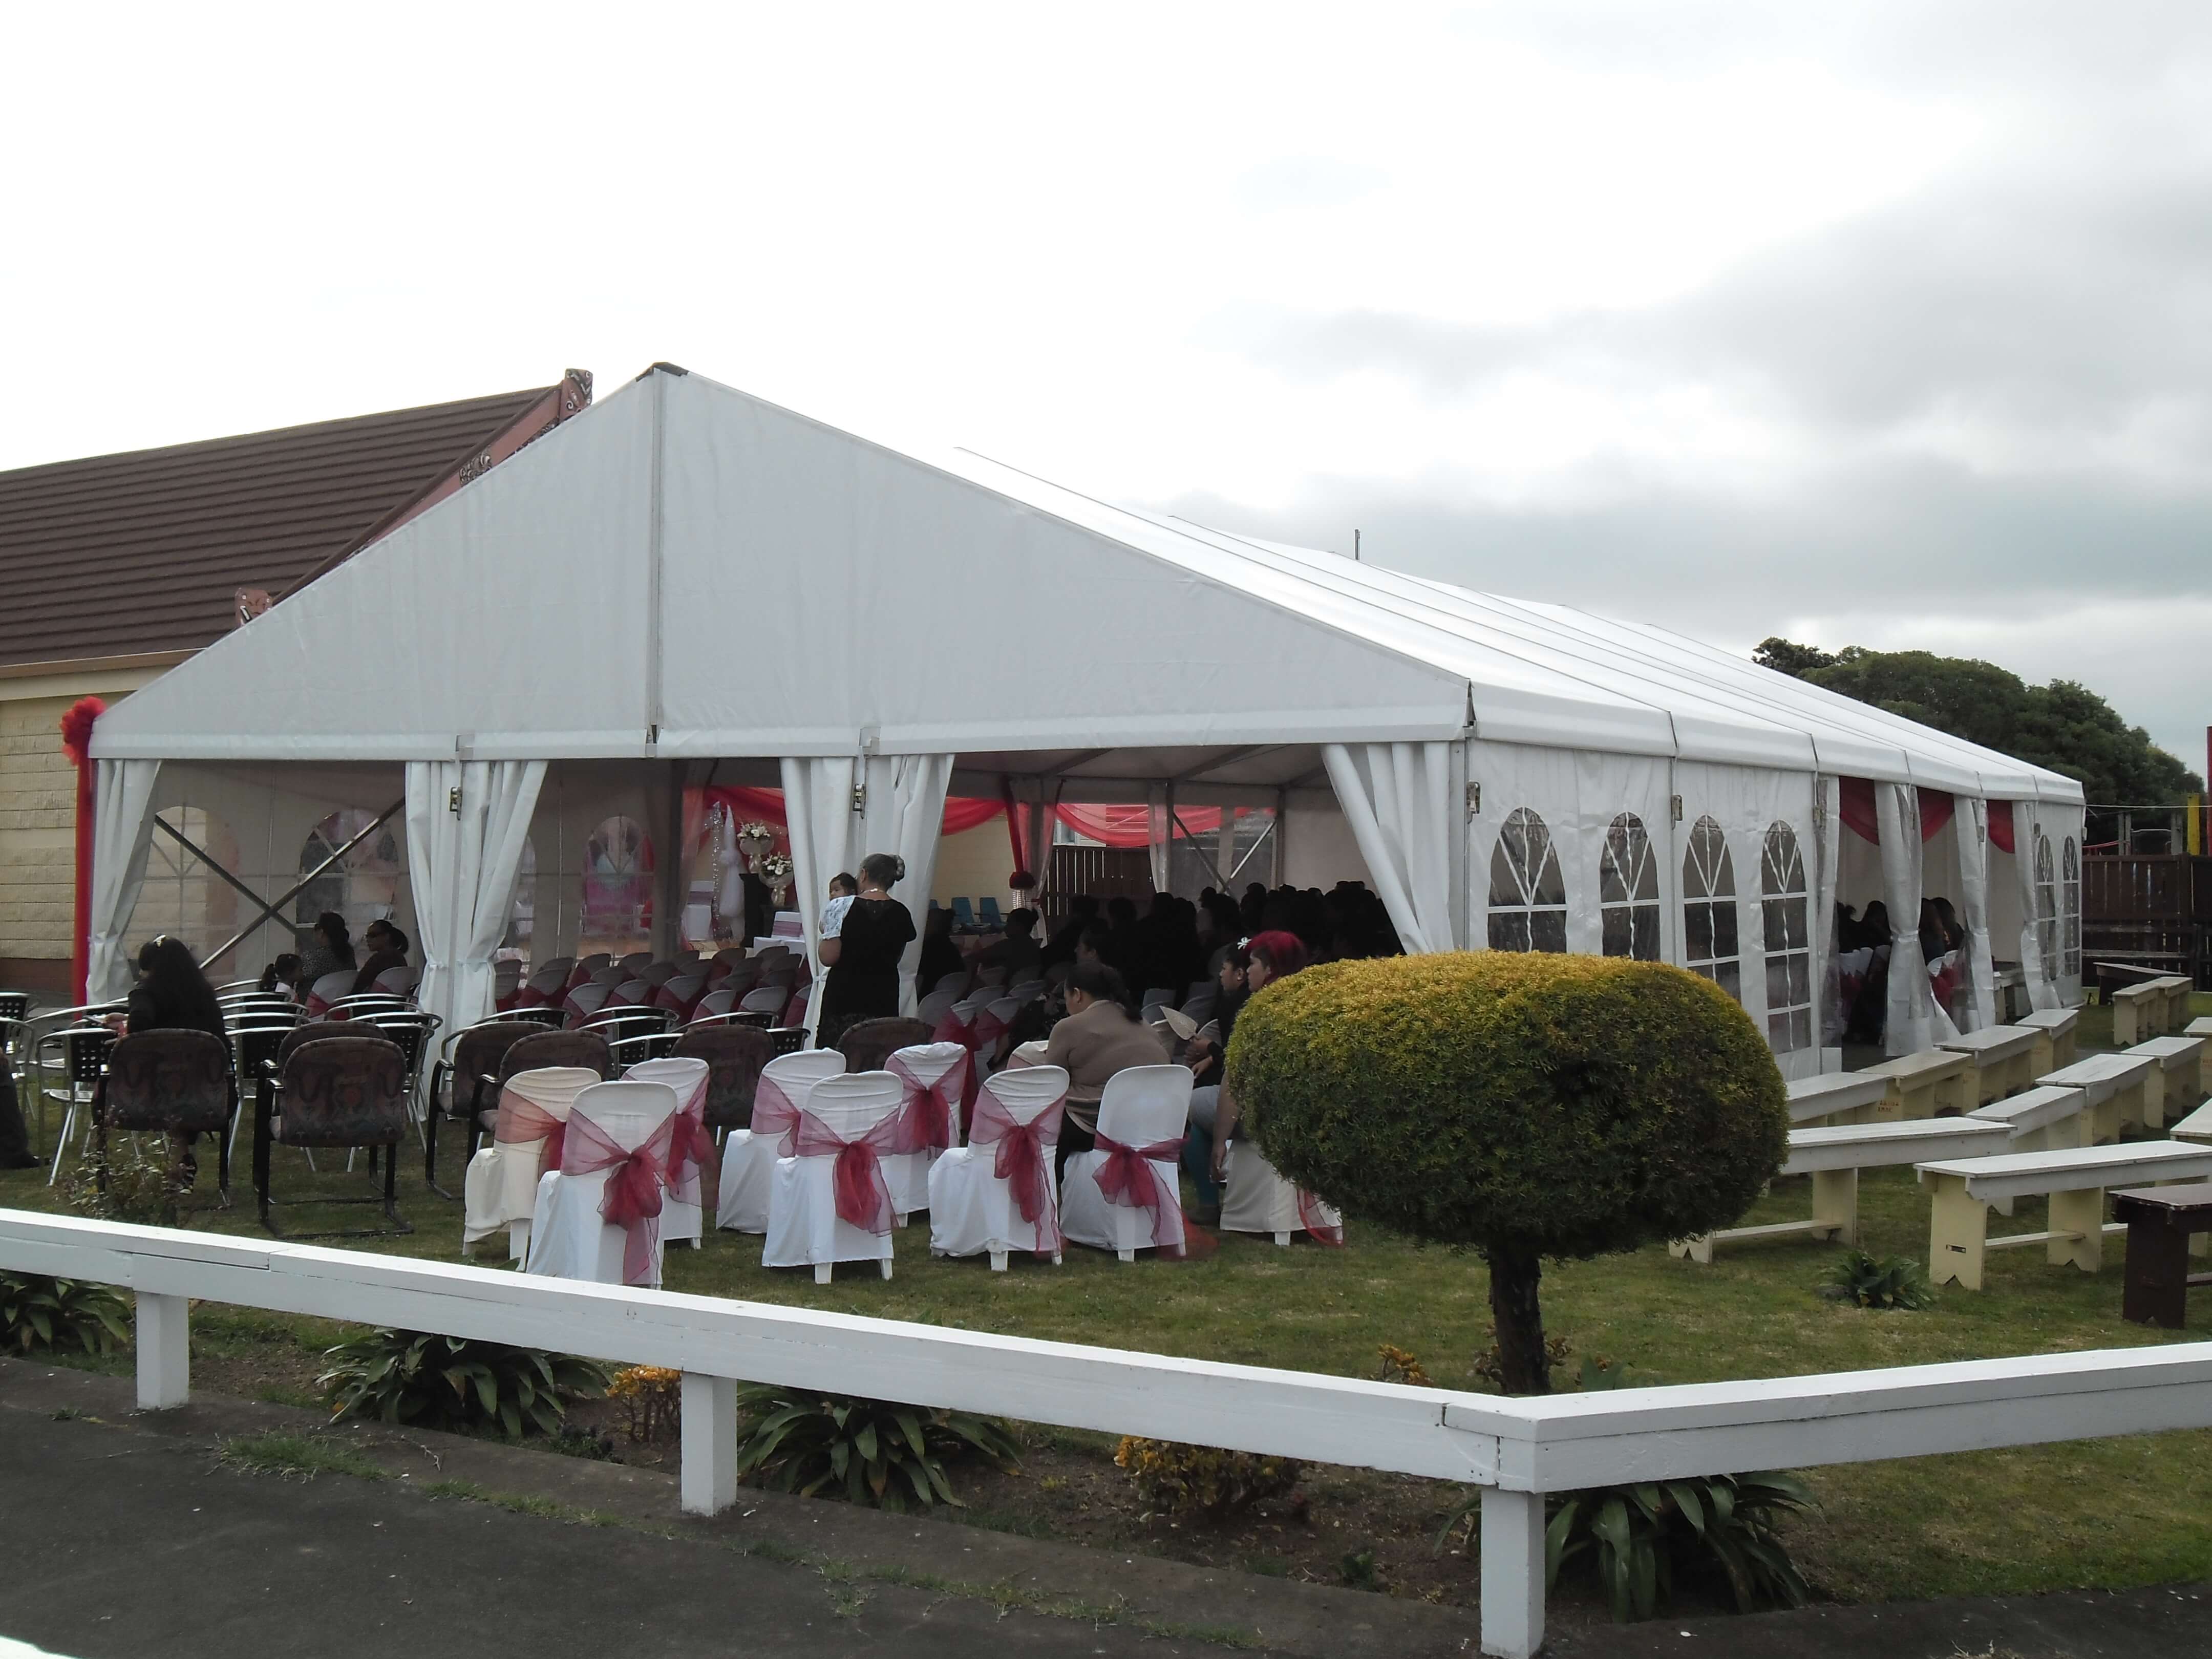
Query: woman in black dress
{"x": 863, "y": 960}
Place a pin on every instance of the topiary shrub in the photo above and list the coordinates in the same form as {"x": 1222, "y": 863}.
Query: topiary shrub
{"x": 1529, "y": 1106}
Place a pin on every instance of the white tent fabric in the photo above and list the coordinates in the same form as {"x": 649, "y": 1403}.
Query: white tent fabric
{"x": 2041, "y": 993}
{"x": 123, "y": 835}
{"x": 1911, "y": 1025}
{"x": 1828, "y": 835}
{"x": 467, "y": 825}
{"x": 1973, "y": 828}
{"x": 1397, "y": 798}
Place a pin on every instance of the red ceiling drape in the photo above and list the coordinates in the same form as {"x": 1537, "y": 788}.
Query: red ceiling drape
{"x": 1115, "y": 826}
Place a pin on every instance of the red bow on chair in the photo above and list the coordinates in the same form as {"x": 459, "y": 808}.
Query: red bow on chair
{"x": 690, "y": 1146}
{"x": 636, "y": 1184}
{"x": 1024, "y": 1160}
{"x": 1313, "y": 1216}
{"x": 926, "y": 1114}
{"x": 977, "y": 1036}
{"x": 527, "y": 1121}
{"x": 1127, "y": 1177}
{"x": 864, "y": 1197}
{"x": 775, "y": 1115}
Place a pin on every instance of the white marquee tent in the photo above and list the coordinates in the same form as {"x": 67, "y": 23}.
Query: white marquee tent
{"x": 685, "y": 582}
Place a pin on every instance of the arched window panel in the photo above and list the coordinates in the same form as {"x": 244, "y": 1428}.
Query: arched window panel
{"x": 363, "y": 885}
{"x": 1708, "y": 913}
{"x": 1628, "y": 891}
{"x": 2070, "y": 910}
{"x": 2046, "y": 907}
{"x": 1787, "y": 941}
{"x": 1527, "y": 894}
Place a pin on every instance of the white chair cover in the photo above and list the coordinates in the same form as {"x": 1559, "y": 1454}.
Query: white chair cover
{"x": 931, "y": 1009}
{"x": 1256, "y": 1199}
{"x": 804, "y": 1227}
{"x": 1029, "y": 1054}
{"x": 748, "y": 1159}
{"x": 972, "y": 1210}
{"x": 568, "y": 1239}
{"x": 500, "y": 1189}
{"x": 679, "y": 1219}
{"x": 1143, "y": 1106}
{"x": 907, "y": 1173}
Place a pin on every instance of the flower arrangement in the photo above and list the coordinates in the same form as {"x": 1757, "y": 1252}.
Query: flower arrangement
{"x": 754, "y": 830}
{"x": 774, "y": 869}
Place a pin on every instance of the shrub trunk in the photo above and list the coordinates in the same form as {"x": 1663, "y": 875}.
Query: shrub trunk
{"x": 1514, "y": 1273}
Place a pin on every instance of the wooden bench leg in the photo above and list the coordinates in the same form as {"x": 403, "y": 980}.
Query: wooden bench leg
{"x": 1836, "y": 1203}
{"x": 2124, "y": 1022}
{"x": 2065, "y": 1052}
{"x": 2039, "y": 1057}
{"x": 2103, "y": 1121}
{"x": 1957, "y": 1228}
{"x": 2153, "y": 1100}
{"x": 2082, "y": 1213}
{"x": 1698, "y": 1249}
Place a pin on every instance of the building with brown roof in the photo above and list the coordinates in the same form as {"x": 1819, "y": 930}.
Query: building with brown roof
{"x": 116, "y": 568}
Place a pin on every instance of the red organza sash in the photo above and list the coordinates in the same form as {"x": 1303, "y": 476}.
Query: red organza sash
{"x": 926, "y": 1115}
{"x": 689, "y": 1147}
{"x": 775, "y": 1115}
{"x": 636, "y": 1182}
{"x": 522, "y": 1121}
{"x": 1128, "y": 1176}
{"x": 864, "y": 1197}
{"x": 1024, "y": 1160}
{"x": 978, "y": 1037}
{"x": 1315, "y": 1219}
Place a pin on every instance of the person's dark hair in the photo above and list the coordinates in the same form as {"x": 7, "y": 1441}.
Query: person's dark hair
{"x": 333, "y": 927}
{"x": 285, "y": 970}
{"x": 938, "y": 924}
{"x": 394, "y": 939}
{"x": 1096, "y": 979}
{"x": 1019, "y": 921}
{"x": 885, "y": 870}
{"x": 170, "y": 974}
{"x": 1283, "y": 953}
{"x": 1083, "y": 904}
{"x": 844, "y": 882}
{"x": 1098, "y": 941}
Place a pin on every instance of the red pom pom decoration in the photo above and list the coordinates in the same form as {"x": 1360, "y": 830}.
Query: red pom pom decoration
{"x": 1021, "y": 881}
{"x": 76, "y": 729}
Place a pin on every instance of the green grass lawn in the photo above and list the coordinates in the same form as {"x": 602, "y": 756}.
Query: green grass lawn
{"x": 2111, "y": 1513}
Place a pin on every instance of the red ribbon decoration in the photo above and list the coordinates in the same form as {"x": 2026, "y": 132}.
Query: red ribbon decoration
{"x": 975, "y": 1035}
{"x": 1024, "y": 1160}
{"x": 1127, "y": 1176}
{"x": 521, "y": 1121}
{"x": 926, "y": 1114}
{"x": 864, "y": 1197}
{"x": 1310, "y": 1217}
{"x": 76, "y": 744}
{"x": 689, "y": 1147}
{"x": 636, "y": 1184}
{"x": 775, "y": 1115}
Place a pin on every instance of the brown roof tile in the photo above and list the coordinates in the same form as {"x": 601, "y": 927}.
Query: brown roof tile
{"x": 127, "y": 555}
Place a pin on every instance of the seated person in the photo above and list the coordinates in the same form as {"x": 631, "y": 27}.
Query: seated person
{"x": 387, "y": 948}
{"x": 281, "y": 976}
{"x": 940, "y": 957}
{"x": 1102, "y": 1035}
{"x": 1018, "y": 952}
{"x": 1081, "y": 916}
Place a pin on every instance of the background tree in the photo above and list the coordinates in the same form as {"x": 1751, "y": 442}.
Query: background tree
{"x": 1531, "y": 1107}
{"x": 2063, "y": 727}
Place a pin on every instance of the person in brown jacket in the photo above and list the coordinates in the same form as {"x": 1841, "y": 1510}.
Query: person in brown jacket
{"x": 1101, "y": 1036}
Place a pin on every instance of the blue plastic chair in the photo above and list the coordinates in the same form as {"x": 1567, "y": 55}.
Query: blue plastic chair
{"x": 991, "y": 916}
{"x": 964, "y": 915}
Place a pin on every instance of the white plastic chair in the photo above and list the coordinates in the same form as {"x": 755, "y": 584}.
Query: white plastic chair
{"x": 931, "y": 1009}
{"x": 769, "y": 1000}
{"x": 1158, "y": 997}
{"x": 679, "y": 1218}
{"x": 972, "y": 1209}
{"x": 635, "y": 964}
{"x": 1256, "y": 1199}
{"x": 955, "y": 983}
{"x": 329, "y": 990}
{"x": 1029, "y": 1054}
{"x": 907, "y": 1173}
{"x": 568, "y": 1237}
{"x": 749, "y": 1158}
{"x": 500, "y": 1187}
{"x": 1027, "y": 992}
{"x": 584, "y": 1001}
{"x": 804, "y": 1227}
{"x": 717, "y": 1002}
{"x": 1143, "y": 1106}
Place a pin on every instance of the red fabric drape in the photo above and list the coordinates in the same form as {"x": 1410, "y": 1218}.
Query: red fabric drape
{"x": 1115, "y": 826}
{"x": 1855, "y": 798}
{"x": 2001, "y": 826}
{"x": 76, "y": 744}
{"x": 1935, "y": 811}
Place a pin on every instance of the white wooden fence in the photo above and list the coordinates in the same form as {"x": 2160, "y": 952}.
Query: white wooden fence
{"x": 1517, "y": 1450}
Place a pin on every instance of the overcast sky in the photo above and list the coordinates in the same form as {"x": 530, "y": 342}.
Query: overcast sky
{"x": 1872, "y": 324}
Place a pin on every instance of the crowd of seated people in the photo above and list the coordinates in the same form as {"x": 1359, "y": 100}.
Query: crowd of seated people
{"x": 1863, "y": 944}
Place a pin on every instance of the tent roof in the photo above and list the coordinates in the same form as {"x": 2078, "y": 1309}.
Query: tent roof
{"x": 686, "y": 571}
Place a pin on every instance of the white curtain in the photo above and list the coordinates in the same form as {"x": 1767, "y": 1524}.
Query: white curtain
{"x": 1827, "y": 838}
{"x": 1159, "y": 825}
{"x": 1397, "y": 798}
{"x": 464, "y": 855}
{"x": 2025, "y": 825}
{"x": 1972, "y": 821}
{"x": 1911, "y": 1025}
{"x": 122, "y": 834}
{"x": 901, "y": 812}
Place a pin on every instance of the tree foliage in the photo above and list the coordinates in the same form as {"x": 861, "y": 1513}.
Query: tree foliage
{"x": 2063, "y": 726}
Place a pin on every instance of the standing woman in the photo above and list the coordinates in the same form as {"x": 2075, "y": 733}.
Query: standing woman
{"x": 863, "y": 960}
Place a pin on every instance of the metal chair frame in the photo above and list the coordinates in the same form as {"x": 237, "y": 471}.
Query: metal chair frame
{"x": 269, "y": 1104}
{"x": 82, "y": 1058}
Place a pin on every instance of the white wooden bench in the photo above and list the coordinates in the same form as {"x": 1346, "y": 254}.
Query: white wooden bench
{"x": 2202, "y": 1028}
{"x": 2138, "y": 1012}
{"x": 2178, "y": 1082}
{"x": 2043, "y": 1118}
{"x": 2004, "y": 1058}
{"x": 1924, "y": 1084}
{"x": 1837, "y": 1097}
{"x": 1833, "y": 1156}
{"x": 2117, "y": 1085}
{"x": 2057, "y": 1048}
{"x": 2075, "y": 1179}
{"x": 2178, "y": 988}
{"x": 2198, "y": 1126}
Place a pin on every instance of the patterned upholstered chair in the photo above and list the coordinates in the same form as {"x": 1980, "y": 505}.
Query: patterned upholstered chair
{"x": 471, "y": 1060}
{"x": 584, "y": 1048}
{"x": 867, "y": 1043}
{"x": 172, "y": 1083}
{"x": 734, "y": 1055}
{"x": 335, "y": 1091}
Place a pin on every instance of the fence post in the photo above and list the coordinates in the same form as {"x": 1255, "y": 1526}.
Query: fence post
{"x": 1512, "y": 1573}
{"x": 709, "y": 1484}
{"x": 165, "y": 1353}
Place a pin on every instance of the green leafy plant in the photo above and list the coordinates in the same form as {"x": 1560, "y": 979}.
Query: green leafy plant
{"x": 126, "y": 1183}
{"x": 1870, "y": 1281}
{"x": 433, "y": 1382}
{"x": 1529, "y": 1106}
{"x": 875, "y": 1451}
{"x": 1641, "y": 1537}
{"x": 1357, "y": 1570}
{"x": 38, "y": 1314}
{"x": 1173, "y": 1479}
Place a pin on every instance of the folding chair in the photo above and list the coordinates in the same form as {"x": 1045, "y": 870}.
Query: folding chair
{"x": 466, "y": 1075}
{"x": 346, "y": 1091}
{"x": 173, "y": 1082}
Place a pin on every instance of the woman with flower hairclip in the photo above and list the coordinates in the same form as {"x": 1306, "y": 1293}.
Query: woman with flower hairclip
{"x": 863, "y": 960}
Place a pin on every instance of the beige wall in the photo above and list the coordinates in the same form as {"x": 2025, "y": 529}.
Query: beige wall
{"x": 973, "y": 863}
{"x": 37, "y": 822}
